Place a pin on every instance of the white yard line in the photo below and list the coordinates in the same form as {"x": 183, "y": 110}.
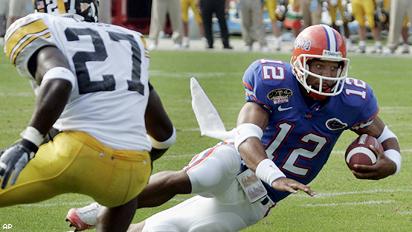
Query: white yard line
{"x": 405, "y": 212}
{"x": 179, "y": 75}
{"x": 29, "y": 93}
{"x": 70, "y": 203}
{"x": 349, "y": 203}
{"x": 372, "y": 191}
{"x": 178, "y": 156}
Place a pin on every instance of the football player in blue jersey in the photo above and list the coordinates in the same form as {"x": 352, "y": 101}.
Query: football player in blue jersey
{"x": 293, "y": 116}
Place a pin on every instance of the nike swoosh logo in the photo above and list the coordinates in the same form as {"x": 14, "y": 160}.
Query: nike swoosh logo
{"x": 280, "y": 108}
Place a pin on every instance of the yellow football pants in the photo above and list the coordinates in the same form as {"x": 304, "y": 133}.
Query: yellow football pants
{"x": 75, "y": 162}
{"x": 362, "y": 9}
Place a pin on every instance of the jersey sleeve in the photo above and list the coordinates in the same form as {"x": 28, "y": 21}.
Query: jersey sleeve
{"x": 369, "y": 109}
{"x": 267, "y": 83}
{"x": 23, "y": 38}
{"x": 254, "y": 89}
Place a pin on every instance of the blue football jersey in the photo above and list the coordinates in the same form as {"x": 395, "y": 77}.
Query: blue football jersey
{"x": 301, "y": 132}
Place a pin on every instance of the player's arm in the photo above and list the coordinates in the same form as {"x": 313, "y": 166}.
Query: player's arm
{"x": 52, "y": 74}
{"x": 252, "y": 120}
{"x": 389, "y": 162}
{"x": 158, "y": 125}
{"x": 51, "y": 71}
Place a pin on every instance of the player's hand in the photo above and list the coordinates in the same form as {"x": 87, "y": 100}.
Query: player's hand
{"x": 289, "y": 185}
{"x": 14, "y": 159}
{"x": 382, "y": 168}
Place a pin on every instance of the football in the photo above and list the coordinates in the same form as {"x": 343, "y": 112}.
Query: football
{"x": 358, "y": 152}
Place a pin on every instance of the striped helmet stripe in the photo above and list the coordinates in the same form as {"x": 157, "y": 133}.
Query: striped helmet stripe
{"x": 330, "y": 38}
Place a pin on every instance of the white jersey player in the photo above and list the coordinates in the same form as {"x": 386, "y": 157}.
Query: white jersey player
{"x": 91, "y": 83}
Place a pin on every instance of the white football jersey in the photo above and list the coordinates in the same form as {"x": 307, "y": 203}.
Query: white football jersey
{"x": 110, "y": 91}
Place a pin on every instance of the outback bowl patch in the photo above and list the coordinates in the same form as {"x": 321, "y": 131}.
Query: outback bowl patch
{"x": 279, "y": 96}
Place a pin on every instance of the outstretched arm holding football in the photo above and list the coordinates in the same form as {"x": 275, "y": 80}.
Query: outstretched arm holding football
{"x": 389, "y": 161}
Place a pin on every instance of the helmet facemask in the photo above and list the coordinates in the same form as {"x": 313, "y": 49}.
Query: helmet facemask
{"x": 302, "y": 72}
{"x": 323, "y": 43}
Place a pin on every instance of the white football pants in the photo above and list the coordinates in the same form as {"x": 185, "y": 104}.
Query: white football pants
{"x": 221, "y": 204}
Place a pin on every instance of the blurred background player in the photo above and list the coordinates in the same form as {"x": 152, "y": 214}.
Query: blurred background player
{"x": 362, "y": 9}
{"x": 160, "y": 9}
{"x": 293, "y": 18}
{"x": 4, "y": 11}
{"x": 93, "y": 93}
{"x": 335, "y": 6}
{"x": 194, "y": 6}
{"x": 219, "y": 8}
{"x": 311, "y": 11}
{"x": 400, "y": 15}
{"x": 277, "y": 12}
{"x": 251, "y": 20}
{"x": 105, "y": 11}
{"x": 286, "y": 130}
{"x": 18, "y": 9}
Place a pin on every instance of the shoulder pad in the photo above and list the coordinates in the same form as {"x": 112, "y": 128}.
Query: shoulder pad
{"x": 24, "y": 37}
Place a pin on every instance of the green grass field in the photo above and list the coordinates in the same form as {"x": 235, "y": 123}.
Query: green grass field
{"x": 343, "y": 203}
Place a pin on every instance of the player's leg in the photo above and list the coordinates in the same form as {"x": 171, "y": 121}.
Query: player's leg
{"x": 39, "y": 179}
{"x": 105, "y": 11}
{"x": 206, "y": 168}
{"x": 157, "y": 22}
{"x": 359, "y": 14}
{"x": 161, "y": 188}
{"x": 124, "y": 177}
{"x": 246, "y": 23}
{"x": 395, "y": 17}
{"x": 198, "y": 18}
{"x": 222, "y": 204}
{"x": 258, "y": 29}
{"x": 175, "y": 16}
{"x": 207, "y": 15}
{"x": 405, "y": 36}
{"x": 221, "y": 19}
{"x": 116, "y": 218}
{"x": 184, "y": 4}
{"x": 271, "y": 6}
{"x": 304, "y": 8}
{"x": 369, "y": 7}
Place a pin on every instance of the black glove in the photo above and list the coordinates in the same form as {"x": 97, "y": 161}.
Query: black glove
{"x": 14, "y": 159}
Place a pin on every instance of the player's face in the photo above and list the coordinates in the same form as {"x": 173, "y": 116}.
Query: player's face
{"x": 323, "y": 68}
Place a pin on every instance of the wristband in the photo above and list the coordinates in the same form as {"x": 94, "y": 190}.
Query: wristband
{"x": 30, "y": 146}
{"x": 268, "y": 171}
{"x": 386, "y": 134}
{"x": 395, "y": 156}
{"x": 164, "y": 144}
{"x": 33, "y": 135}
